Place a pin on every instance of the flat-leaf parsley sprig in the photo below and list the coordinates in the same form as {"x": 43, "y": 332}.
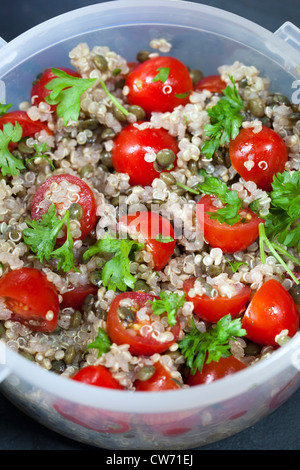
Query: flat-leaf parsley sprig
{"x": 41, "y": 236}
{"x": 115, "y": 273}
{"x": 9, "y": 164}
{"x": 101, "y": 342}
{"x": 200, "y": 348}
{"x": 168, "y": 303}
{"x": 66, "y": 91}
{"x": 225, "y": 120}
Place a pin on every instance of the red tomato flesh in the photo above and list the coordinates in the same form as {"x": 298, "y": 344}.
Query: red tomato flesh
{"x": 75, "y": 297}
{"x": 29, "y": 127}
{"x": 212, "y": 309}
{"x": 230, "y": 238}
{"x": 31, "y": 297}
{"x": 265, "y": 150}
{"x": 215, "y": 371}
{"x": 160, "y": 380}
{"x": 98, "y": 376}
{"x": 85, "y": 197}
{"x": 159, "y": 85}
{"x": 212, "y": 83}
{"x": 129, "y": 150}
{"x": 151, "y": 225}
{"x": 139, "y": 344}
{"x": 270, "y": 311}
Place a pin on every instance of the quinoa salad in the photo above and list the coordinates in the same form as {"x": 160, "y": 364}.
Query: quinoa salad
{"x": 149, "y": 217}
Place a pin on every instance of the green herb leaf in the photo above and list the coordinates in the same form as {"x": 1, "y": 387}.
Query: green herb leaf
{"x": 40, "y": 152}
{"x": 101, "y": 342}
{"x": 41, "y": 237}
{"x": 163, "y": 239}
{"x": 66, "y": 93}
{"x": 200, "y": 348}
{"x": 225, "y": 120}
{"x": 180, "y": 96}
{"x": 115, "y": 273}
{"x": 235, "y": 264}
{"x": 168, "y": 303}
{"x": 9, "y": 164}
{"x": 163, "y": 74}
{"x": 4, "y": 108}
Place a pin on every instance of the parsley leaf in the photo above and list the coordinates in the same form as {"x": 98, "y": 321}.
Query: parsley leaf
{"x": 101, "y": 342}
{"x": 4, "y": 108}
{"x": 163, "y": 74}
{"x": 115, "y": 273}
{"x": 66, "y": 93}
{"x": 9, "y": 164}
{"x": 41, "y": 150}
{"x": 169, "y": 303}
{"x": 163, "y": 238}
{"x": 235, "y": 264}
{"x": 199, "y": 348}
{"x": 225, "y": 120}
{"x": 41, "y": 237}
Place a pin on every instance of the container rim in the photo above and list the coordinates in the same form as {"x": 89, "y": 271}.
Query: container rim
{"x": 147, "y": 402}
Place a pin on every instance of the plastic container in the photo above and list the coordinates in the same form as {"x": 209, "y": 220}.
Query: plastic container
{"x": 205, "y": 38}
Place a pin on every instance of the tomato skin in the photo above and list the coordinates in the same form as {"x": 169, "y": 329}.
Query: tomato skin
{"x": 87, "y": 202}
{"x": 138, "y": 345}
{"x": 212, "y": 309}
{"x": 150, "y": 224}
{"x": 212, "y": 83}
{"x": 74, "y": 298}
{"x": 215, "y": 371}
{"x": 158, "y": 96}
{"x": 264, "y": 147}
{"x": 98, "y": 376}
{"x": 270, "y": 311}
{"x": 230, "y": 238}
{"x": 38, "y": 90}
{"x": 30, "y": 296}
{"x": 160, "y": 380}
{"x": 29, "y": 127}
{"x": 130, "y": 147}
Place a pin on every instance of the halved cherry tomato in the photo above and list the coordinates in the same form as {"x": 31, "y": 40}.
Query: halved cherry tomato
{"x": 160, "y": 380}
{"x": 139, "y": 344}
{"x": 83, "y": 195}
{"x": 212, "y": 83}
{"x": 75, "y": 297}
{"x": 129, "y": 150}
{"x": 258, "y": 156}
{"x": 31, "y": 297}
{"x": 153, "y": 227}
{"x": 159, "y": 84}
{"x": 270, "y": 311}
{"x": 29, "y": 127}
{"x": 212, "y": 309}
{"x": 98, "y": 376}
{"x": 216, "y": 370}
{"x": 229, "y": 238}
{"x": 39, "y": 92}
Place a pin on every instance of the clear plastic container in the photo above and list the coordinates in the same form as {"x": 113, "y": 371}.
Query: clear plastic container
{"x": 205, "y": 38}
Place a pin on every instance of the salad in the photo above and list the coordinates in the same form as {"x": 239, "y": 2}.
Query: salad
{"x": 149, "y": 235}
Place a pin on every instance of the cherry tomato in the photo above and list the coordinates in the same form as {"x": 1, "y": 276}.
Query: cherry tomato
{"x": 216, "y": 370}
{"x": 270, "y": 311}
{"x": 160, "y": 380}
{"x": 159, "y": 85}
{"x": 73, "y": 190}
{"x": 212, "y": 309}
{"x": 265, "y": 152}
{"x": 98, "y": 376}
{"x": 152, "y": 225}
{"x": 139, "y": 344}
{"x": 212, "y": 83}
{"x": 29, "y": 127}
{"x": 229, "y": 238}
{"x": 39, "y": 92}
{"x": 129, "y": 150}
{"x": 75, "y": 297}
{"x": 31, "y": 297}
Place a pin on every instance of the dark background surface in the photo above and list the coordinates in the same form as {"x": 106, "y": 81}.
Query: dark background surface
{"x": 278, "y": 431}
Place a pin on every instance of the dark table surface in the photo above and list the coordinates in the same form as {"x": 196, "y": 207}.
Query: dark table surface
{"x": 278, "y": 431}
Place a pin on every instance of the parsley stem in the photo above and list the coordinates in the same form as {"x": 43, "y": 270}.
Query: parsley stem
{"x": 113, "y": 98}
{"x": 187, "y": 188}
{"x": 263, "y": 240}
